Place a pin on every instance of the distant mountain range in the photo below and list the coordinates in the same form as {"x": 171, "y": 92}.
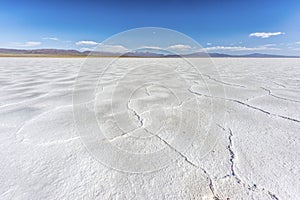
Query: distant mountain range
{"x": 75, "y": 53}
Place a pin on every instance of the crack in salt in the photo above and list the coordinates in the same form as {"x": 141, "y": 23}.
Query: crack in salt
{"x": 254, "y": 187}
{"x": 281, "y": 85}
{"x": 136, "y": 114}
{"x": 211, "y": 187}
{"x": 248, "y": 105}
{"x": 219, "y": 81}
{"x": 157, "y": 136}
{"x": 229, "y": 147}
{"x": 273, "y": 196}
{"x": 232, "y": 154}
{"x": 278, "y": 97}
{"x": 173, "y": 148}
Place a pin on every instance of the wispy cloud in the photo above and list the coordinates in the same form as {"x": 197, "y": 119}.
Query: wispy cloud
{"x": 297, "y": 42}
{"x": 28, "y": 44}
{"x": 175, "y": 48}
{"x": 151, "y": 47}
{"x": 120, "y": 48}
{"x": 87, "y": 49}
{"x": 266, "y": 35}
{"x": 106, "y": 48}
{"x": 269, "y": 45}
{"x": 240, "y": 48}
{"x": 86, "y": 43}
{"x": 50, "y": 38}
{"x": 179, "y": 47}
{"x": 112, "y": 48}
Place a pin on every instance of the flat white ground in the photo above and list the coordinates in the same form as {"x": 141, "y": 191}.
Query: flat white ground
{"x": 256, "y": 156}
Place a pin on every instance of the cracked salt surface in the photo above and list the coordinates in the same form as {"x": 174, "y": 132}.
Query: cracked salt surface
{"x": 256, "y": 157}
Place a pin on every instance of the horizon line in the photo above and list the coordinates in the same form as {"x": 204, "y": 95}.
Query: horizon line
{"x": 13, "y": 52}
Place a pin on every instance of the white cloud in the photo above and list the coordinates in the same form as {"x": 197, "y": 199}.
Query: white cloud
{"x": 112, "y": 48}
{"x": 179, "y": 47}
{"x": 151, "y": 47}
{"x": 50, "y": 38}
{"x": 101, "y": 47}
{"x": 269, "y": 45}
{"x": 239, "y": 48}
{"x": 28, "y": 44}
{"x": 175, "y": 48}
{"x": 265, "y": 35}
{"x": 208, "y": 44}
{"x": 297, "y": 42}
{"x": 87, "y": 49}
{"x": 86, "y": 43}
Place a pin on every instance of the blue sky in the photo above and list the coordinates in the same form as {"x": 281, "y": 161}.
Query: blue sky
{"x": 231, "y": 26}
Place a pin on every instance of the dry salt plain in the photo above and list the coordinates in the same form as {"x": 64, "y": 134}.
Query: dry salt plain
{"x": 256, "y": 124}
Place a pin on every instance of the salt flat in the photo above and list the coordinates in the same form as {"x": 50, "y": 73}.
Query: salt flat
{"x": 256, "y": 155}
